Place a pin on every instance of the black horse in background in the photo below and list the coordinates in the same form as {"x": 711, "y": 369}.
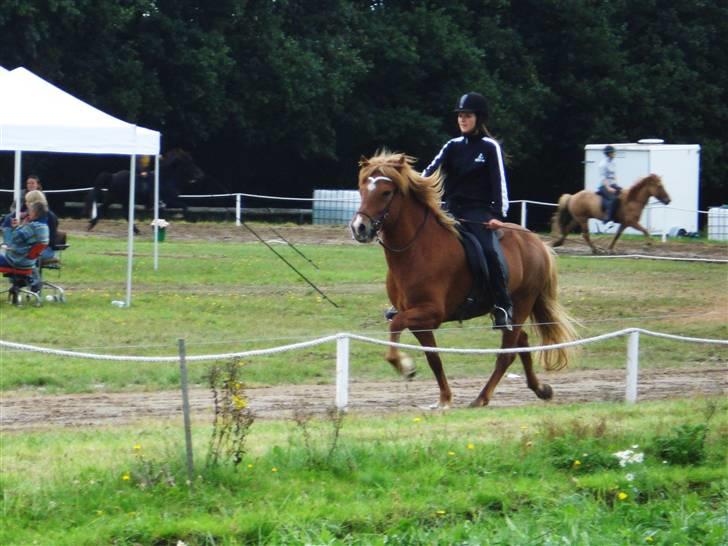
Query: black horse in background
{"x": 177, "y": 172}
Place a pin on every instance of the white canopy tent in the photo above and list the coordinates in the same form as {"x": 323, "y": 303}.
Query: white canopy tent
{"x": 36, "y": 116}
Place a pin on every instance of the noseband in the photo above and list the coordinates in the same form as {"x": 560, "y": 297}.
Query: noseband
{"x": 378, "y": 222}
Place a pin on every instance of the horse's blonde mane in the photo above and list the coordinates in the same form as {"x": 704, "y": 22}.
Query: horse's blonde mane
{"x": 425, "y": 189}
{"x": 635, "y": 188}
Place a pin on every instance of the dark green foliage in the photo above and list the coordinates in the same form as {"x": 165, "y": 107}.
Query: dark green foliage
{"x": 284, "y": 96}
{"x": 685, "y": 446}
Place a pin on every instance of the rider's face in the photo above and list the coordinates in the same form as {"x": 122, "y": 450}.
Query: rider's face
{"x": 466, "y": 122}
{"x": 31, "y": 184}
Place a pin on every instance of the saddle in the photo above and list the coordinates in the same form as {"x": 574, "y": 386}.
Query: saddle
{"x": 480, "y": 298}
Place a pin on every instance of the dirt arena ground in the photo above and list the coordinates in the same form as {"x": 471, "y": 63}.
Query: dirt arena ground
{"x": 20, "y": 411}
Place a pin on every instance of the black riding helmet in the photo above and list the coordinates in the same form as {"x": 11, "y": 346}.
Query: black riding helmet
{"x": 473, "y": 102}
{"x": 609, "y": 149}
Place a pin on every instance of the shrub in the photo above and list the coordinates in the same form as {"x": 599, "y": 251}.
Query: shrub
{"x": 685, "y": 446}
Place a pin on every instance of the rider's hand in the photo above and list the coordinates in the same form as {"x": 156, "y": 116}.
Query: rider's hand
{"x": 494, "y": 224}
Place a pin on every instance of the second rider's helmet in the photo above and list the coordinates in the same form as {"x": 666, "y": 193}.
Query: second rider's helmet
{"x": 609, "y": 149}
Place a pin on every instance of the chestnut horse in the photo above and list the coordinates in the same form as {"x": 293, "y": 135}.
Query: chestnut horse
{"x": 575, "y": 210}
{"x": 429, "y": 278}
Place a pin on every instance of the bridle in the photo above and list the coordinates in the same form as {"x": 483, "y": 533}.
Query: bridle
{"x": 378, "y": 222}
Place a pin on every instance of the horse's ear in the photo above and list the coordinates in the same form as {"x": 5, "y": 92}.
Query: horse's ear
{"x": 363, "y": 162}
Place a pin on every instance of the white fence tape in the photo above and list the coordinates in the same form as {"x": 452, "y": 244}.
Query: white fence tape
{"x": 343, "y": 348}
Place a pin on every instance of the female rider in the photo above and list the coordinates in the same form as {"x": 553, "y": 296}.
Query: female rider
{"x": 476, "y": 194}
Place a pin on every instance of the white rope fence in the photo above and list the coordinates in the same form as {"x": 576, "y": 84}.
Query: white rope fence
{"x": 342, "y": 353}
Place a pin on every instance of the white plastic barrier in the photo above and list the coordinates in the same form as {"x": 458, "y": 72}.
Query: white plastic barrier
{"x": 342, "y": 354}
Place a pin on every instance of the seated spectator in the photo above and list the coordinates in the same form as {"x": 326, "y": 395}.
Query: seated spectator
{"x": 50, "y": 219}
{"x": 23, "y": 236}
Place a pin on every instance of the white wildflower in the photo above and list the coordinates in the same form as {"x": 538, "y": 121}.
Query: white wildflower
{"x": 629, "y": 477}
{"x": 629, "y": 457}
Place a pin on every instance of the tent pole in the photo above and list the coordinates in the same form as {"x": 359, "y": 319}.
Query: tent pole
{"x": 16, "y": 183}
{"x": 130, "y": 235}
{"x": 156, "y": 212}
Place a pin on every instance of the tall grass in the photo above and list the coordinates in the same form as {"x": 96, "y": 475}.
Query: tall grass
{"x": 543, "y": 475}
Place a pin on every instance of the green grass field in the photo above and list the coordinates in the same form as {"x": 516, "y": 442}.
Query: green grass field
{"x": 544, "y": 474}
{"x": 223, "y": 297}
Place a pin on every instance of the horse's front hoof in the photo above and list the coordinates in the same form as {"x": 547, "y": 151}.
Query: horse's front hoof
{"x": 408, "y": 369}
{"x": 477, "y": 403}
{"x": 545, "y": 392}
{"x": 440, "y": 406}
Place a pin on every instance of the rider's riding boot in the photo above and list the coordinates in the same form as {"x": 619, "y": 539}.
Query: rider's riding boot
{"x": 503, "y": 310}
{"x": 389, "y": 313}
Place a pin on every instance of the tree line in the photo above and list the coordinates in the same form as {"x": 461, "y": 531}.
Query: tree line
{"x": 281, "y": 96}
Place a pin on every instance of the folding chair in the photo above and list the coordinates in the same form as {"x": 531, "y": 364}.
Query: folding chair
{"x": 20, "y": 279}
{"x": 55, "y": 263}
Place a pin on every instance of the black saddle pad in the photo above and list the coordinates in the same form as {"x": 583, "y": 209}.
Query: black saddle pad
{"x": 479, "y": 300}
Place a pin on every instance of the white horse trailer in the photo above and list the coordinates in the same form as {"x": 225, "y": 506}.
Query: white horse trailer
{"x": 677, "y": 164}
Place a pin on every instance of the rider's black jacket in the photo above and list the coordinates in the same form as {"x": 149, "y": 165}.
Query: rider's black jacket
{"x": 474, "y": 175}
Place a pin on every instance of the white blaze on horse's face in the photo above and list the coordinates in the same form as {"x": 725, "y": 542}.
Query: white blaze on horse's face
{"x": 363, "y": 226}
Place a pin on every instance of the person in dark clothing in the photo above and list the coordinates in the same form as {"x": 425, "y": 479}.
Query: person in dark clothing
{"x": 476, "y": 192}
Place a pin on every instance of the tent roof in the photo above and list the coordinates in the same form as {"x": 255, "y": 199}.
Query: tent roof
{"x": 37, "y": 116}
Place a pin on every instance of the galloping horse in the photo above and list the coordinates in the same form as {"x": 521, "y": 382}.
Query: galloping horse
{"x": 177, "y": 170}
{"x": 429, "y": 278}
{"x": 576, "y": 210}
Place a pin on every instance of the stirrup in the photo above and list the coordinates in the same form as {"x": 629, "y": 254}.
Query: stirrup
{"x": 502, "y": 319}
{"x": 390, "y": 313}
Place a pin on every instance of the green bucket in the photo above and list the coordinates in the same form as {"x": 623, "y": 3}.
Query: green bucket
{"x": 161, "y": 234}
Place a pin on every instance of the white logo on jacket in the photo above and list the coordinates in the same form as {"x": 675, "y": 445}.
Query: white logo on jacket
{"x": 480, "y": 158}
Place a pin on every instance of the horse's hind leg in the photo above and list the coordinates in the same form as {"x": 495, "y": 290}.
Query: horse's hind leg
{"x": 585, "y": 233}
{"x": 565, "y": 230}
{"x": 542, "y": 390}
{"x": 401, "y": 362}
{"x": 501, "y": 365}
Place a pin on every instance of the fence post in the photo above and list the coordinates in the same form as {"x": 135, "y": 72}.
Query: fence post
{"x": 186, "y": 411}
{"x": 633, "y": 360}
{"x": 523, "y": 214}
{"x": 342, "y": 373}
{"x": 237, "y": 208}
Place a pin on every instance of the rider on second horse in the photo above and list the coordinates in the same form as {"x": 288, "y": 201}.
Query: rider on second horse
{"x": 608, "y": 187}
{"x": 476, "y": 194}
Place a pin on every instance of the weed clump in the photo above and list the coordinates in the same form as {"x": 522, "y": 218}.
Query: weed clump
{"x": 232, "y": 416}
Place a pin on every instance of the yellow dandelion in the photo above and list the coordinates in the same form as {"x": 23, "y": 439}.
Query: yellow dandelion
{"x": 416, "y": 420}
{"x": 577, "y": 463}
{"x": 471, "y": 446}
{"x": 440, "y": 512}
{"x": 622, "y": 496}
{"x": 126, "y": 477}
{"x": 274, "y": 470}
{"x": 451, "y": 453}
{"x": 137, "y": 447}
{"x": 250, "y": 465}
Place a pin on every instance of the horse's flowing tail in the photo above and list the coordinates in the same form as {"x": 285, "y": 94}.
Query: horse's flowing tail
{"x": 552, "y": 321}
{"x": 562, "y": 216}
